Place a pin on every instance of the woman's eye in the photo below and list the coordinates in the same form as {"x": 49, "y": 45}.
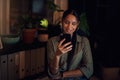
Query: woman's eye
{"x": 66, "y": 22}
{"x": 74, "y": 23}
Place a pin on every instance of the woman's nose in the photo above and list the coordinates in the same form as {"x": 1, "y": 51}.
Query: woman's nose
{"x": 69, "y": 26}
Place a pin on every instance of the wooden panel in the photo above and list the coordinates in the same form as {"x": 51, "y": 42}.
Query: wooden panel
{"x": 11, "y": 67}
{"x": 40, "y": 59}
{"x": 4, "y": 16}
{"x": 3, "y": 67}
{"x": 33, "y": 61}
{"x": 17, "y": 65}
{"x": 27, "y": 63}
{"x": 22, "y": 65}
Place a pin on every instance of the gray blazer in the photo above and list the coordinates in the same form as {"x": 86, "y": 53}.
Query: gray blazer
{"x": 82, "y": 58}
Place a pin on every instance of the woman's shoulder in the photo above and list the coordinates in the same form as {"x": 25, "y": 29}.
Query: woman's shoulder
{"x": 54, "y": 38}
{"x": 82, "y": 38}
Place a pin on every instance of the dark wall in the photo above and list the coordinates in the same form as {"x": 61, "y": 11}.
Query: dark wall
{"x": 103, "y": 18}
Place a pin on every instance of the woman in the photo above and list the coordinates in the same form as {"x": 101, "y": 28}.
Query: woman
{"x": 70, "y": 60}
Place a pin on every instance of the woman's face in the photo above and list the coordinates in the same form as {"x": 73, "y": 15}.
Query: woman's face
{"x": 70, "y": 24}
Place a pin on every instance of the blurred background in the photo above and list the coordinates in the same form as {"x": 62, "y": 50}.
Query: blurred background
{"x": 101, "y": 26}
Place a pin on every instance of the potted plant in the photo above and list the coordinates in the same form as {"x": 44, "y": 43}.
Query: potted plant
{"x": 14, "y": 35}
{"x": 28, "y": 29}
{"x": 43, "y": 30}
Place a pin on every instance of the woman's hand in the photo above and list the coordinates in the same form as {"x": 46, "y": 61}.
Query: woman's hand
{"x": 63, "y": 48}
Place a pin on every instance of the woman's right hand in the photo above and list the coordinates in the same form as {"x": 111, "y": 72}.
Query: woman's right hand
{"x": 63, "y": 48}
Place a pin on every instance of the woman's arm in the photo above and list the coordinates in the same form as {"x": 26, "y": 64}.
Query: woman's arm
{"x": 73, "y": 73}
{"x": 54, "y": 55}
{"x": 60, "y": 50}
{"x": 54, "y": 65}
{"x": 86, "y": 65}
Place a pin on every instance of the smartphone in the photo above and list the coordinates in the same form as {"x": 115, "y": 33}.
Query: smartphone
{"x": 67, "y": 38}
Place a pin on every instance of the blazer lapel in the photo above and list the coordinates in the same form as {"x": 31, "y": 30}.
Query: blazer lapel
{"x": 78, "y": 48}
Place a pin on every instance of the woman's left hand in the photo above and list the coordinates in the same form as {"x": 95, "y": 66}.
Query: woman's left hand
{"x": 63, "y": 48}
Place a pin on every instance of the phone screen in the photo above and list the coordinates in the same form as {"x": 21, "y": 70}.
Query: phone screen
{"x": 67, "y": 38}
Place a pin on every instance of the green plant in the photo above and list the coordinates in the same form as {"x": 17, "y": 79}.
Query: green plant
{"x": 83, "y": 24}
{"x": 44, "y": 23}
{"x": 26, "y": 22}
{"x": 15, "y": 28}
{"x": 54, "y": 7}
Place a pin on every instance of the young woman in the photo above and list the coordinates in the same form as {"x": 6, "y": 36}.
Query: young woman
{"x": 69, "y": 57}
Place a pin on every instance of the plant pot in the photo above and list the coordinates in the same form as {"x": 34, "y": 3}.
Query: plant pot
{"x": 42, "y": 35}
{"x": 28, "y": 35}
{"x": 10, "y": 38}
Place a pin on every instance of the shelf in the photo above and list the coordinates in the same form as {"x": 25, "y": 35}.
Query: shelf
{"x": 11, "y": 48}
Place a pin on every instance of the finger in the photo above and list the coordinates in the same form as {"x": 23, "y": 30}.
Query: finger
{"x": 61, "y": 42}
{"x": 66, "y": 44}
{"x": 69, "y": 48}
